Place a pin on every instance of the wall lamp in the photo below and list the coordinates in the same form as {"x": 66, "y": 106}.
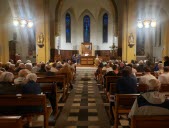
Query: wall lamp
{"x": 23, "y": 22}
{"x": 146, "y": 23}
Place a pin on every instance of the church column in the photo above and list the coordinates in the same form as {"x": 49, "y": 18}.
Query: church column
{"x": 41, "y": 10}
{"x": 127, "y": 25}
{"x": 4, "y": 44}
{"x": 165, "y": 39}
{"x": 132, "y": 21}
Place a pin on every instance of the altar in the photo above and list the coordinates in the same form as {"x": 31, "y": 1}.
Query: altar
{"x": 87, "y": 60}
{"x": 87, "y": 57}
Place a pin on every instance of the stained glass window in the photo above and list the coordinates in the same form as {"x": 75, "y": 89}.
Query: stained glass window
{"x": 86, "y": 28}
{"x": 105, "y": 28}
{"x": 68, "y": 28}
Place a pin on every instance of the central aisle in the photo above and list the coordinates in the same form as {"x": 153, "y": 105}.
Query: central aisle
{"x": 84, "y": 107}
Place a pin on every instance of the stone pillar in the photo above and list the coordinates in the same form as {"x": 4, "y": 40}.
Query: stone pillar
{"x": 42, "y": 26}
{"x": 165, "y": 39}
{"x": 4, "y": 42}
{"x": 127, "y": 25}
{"x": 131, "y": 28}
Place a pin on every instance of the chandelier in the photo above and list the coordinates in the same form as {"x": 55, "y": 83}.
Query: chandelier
{"x": 146, "y": 23}
{"x": 23, "y": 22}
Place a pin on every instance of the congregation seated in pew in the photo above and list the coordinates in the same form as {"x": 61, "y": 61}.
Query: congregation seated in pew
{"x": 6, "y": 86}
{"x": 147, "y": 76}
{"x": 151, "y": 102}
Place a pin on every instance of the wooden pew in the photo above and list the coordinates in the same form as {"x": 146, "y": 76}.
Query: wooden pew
{"x": 54, "y": 79}
{"x": 112, "y": 92}
{"x": 11, "y": 122}
{"x": 151, "y": 121}
{"x": 123, "y": 104}
{"x": 111, "y": 79}
{"x": 164, "y": 88}
{"x": 143, "y": 88}
{"x": 16, "y": 103}
{"x": 138, "y": 74}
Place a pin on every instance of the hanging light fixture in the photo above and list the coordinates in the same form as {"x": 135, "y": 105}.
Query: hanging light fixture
{"x": 153, "y": 23}
{"x": 146, "y": 23}
{"x": 139, "y": 24}
{"x": 30, "y": 24}
{"x": 22, "y": 22}
{"x": 15, "y": 22}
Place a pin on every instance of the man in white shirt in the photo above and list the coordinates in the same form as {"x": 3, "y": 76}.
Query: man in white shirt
{"x": 144, "y": 79}
{"x": 164, "y": 78}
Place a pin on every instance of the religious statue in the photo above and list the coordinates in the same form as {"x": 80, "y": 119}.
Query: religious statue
{"x": 41, "y": 40}
{"x": 131, "y": 40}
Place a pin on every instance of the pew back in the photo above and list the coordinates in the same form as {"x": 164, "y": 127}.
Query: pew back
{"x": 110, "y": 79}
{"x": 11, "y": 122}
{"x": 123, "y": 104}
{"x": 22, "y": 101}
{"x": 151, "y": 121}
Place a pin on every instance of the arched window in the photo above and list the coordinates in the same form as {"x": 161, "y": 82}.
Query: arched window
{"x": 68, "y": 27}
{"x": 105, "y": 28}
{"x": 86, "y": 28}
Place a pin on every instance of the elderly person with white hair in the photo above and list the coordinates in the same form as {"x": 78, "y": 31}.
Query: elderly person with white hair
{"x": 31, "y": 87}
{"x": 21, "y": 66}
{"x": 151, "y": 102}
{"x": 28, "y": 66}
{"x": 11, "y": 68}
{"x": 21, "y": 79}
{"x": 6, "y": 86}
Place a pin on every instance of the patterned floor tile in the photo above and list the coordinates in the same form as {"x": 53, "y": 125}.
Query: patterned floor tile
{"x": 74, "y": 110}
{"x": 92, "y": 110}
{"x": 76, "y": 104}
{"x": 93, "y": 127}
{"x": 77, "y": 95}
{"x": 90, "y": 91}
{"x": 77, "y": 99}
{"x": 72, "y": 118}
{"x": 91, "y": 104}
{"x": 91, "y": 99}
{"x": 93, "y": 118}
{"x": 70, "y": 127}
{"x": 85, "y": 98}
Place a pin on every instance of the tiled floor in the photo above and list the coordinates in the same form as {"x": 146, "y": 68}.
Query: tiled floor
{"x": 84, "y": 107}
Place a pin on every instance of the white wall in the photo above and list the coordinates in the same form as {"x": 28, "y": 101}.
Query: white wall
{"x": 78, "y": 9}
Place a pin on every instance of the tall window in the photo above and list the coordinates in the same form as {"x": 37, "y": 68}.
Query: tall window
{"x": 68, "y": 28}
{"x": 105, "y": 28}
{"x": 86, "y": 28}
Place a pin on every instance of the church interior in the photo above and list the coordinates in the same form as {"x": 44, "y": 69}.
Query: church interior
{"x": 84, "y": 63}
